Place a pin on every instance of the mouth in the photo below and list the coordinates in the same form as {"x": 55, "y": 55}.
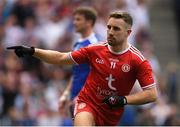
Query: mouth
{"x": 110, "y": 39}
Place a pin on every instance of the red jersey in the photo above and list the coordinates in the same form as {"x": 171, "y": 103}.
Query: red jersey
{"x": 111, "y": 73}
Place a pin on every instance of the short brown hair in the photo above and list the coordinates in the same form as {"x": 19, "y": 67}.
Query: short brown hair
{"x": 122, "y": 15}
{"x": 88, "y": 12}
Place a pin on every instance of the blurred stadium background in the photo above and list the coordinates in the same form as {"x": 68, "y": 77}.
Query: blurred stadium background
{"x": 29, "y": 89}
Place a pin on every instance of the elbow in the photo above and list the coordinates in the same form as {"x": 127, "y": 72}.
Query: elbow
{"x": 153, "y": 95}
{"x": 154, "y": 98}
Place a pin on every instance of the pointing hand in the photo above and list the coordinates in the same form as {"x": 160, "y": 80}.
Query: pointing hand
{"x": 22, "y": 50}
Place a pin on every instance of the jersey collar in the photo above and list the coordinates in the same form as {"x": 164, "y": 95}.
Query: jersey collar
{"x": 118, "y": 53}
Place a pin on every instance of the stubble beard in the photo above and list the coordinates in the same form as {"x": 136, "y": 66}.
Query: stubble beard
{"x": 111, "y": 43}
{"x": 115, "y": 43}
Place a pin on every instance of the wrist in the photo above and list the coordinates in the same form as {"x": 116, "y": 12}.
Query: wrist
{"x": 32, "y": 50}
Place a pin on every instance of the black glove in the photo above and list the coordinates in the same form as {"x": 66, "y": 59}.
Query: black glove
{"x": 115, "y": 101}
{"x": 21, "y": 51}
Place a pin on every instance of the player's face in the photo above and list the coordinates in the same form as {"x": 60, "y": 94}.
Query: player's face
{"x": 80, "y": 23}
{"x": 117, "y": 31}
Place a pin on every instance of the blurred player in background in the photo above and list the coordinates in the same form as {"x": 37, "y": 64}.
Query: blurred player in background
{"x": 115, "y": 66}
{"x": 84, "y": 21}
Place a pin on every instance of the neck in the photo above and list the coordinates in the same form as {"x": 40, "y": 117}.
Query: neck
{"x": 120, "y": 48}
{"x": 86, "y": 33}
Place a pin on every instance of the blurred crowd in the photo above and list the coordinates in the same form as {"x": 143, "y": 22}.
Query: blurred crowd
{"x": 29, "y": 88}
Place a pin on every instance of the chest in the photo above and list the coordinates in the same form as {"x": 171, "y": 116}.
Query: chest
{"x": 116, "y": 65}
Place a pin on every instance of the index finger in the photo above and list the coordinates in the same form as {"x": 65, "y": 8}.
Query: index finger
{"x": 13, "y": 47}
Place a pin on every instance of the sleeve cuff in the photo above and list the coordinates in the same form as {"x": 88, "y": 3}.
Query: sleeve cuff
{"x": 70, "y": 54}
{"x": 149, "y": 86}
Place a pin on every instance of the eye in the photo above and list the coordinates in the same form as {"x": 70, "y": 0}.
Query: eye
{"x": 78, "y": 19}
{"x": 116, "y": 28}
{"x": 108, "y": 26}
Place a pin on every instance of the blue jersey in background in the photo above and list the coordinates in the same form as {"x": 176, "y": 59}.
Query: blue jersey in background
{"x": 80, "y": 72}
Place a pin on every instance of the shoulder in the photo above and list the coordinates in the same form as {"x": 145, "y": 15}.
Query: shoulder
{"x": 137, "y": 56}
{"x": 93, "y": 48}
{"x": 97, "y": 47}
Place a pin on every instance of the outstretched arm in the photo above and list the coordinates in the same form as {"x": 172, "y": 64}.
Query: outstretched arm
{"x": 49, "y": 56}
{"x": 53, "y": 57}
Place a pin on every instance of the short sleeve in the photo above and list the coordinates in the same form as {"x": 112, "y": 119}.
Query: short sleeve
{"x": 145, "y": 75}
{"x": 80, "y": 56}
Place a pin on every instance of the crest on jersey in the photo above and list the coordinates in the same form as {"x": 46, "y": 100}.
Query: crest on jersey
{"x": 125, "y": 67}
{"x": 81, "y": 105}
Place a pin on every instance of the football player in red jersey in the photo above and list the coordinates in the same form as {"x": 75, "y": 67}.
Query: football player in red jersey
{"x": 115, "y": 66}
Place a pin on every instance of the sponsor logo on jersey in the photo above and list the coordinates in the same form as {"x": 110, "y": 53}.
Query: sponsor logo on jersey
{"x": 104, "y": 92}
{"x": 99, "y": 61}
{"x": 125, "y": 67}
{"x": 110, "y": 79}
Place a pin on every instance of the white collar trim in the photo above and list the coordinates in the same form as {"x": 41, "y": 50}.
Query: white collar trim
{"x": 118, "y": 53}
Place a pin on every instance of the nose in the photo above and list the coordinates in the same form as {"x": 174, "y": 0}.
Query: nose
{"x": 110, "y": 31}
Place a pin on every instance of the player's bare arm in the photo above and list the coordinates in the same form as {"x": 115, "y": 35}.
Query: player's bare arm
{"x": 146, "y": 96}
{"x": 64, "y": 98}
{"x": 49, "y": 56}
{"x": 53, "y": 57}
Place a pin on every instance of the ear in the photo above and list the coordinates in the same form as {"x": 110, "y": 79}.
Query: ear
{"x": 90, "y": 22}
{"x": 129, "y": 31}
